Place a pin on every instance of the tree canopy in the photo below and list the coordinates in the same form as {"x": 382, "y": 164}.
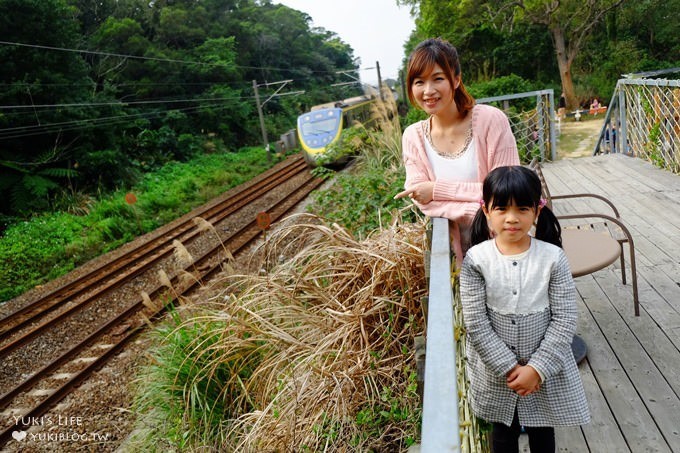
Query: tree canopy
{"x": 580, "y": 46}
{"x": 95, "y": 92}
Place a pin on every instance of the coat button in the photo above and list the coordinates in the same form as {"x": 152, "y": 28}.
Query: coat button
{"x": 514, "y": 292}
{"x": 514, "y": 263}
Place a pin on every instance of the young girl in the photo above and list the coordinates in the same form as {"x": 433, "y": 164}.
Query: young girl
{"x": 519, "y": 307}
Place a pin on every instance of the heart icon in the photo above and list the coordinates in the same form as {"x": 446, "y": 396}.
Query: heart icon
{"x": 19, "y": 435}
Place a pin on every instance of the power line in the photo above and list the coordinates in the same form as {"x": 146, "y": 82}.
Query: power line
{"x": 164, "y": 60}
{"x": 111, "y": 54}
{"x": 27, "y": 131}
{"x": 71, "y": 122}
{"x": 120, "y": 103}
{"x": 99, "y": 122}
{"x": 233, "y": 84}
{"x": 117, "y": 103}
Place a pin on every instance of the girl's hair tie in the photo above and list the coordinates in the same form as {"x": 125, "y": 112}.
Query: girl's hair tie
{"x": 481, "y": 201}
{"x": 542, "y": 202}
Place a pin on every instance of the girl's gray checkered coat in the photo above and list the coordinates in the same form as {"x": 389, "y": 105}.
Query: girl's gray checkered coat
{"x": 531, "y": 319}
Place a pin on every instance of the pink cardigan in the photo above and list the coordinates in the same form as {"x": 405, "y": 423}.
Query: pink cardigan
{"x": 459, "y": 200}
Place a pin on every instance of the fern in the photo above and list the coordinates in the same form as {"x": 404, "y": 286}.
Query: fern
{"x": 59, "y": 172}
{"x": 37, "y": 185}
{"x": 29, "y": 184}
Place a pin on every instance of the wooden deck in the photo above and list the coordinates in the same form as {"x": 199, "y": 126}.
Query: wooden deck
{"x": 632, "y": 370}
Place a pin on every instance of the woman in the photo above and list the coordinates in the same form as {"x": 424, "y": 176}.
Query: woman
{"x": 448, "y": 155}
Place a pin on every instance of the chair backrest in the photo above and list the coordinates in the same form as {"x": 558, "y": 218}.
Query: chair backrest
{"x": 535, "y": 165}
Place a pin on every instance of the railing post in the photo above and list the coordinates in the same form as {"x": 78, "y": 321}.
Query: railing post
{"x": 622, "y": 139}
{"x": 539, "y": 119}
{"x": 606, "y": 126}
{"x": 551, "y": 121}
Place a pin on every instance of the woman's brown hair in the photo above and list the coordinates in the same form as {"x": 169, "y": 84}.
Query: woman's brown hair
{"x": 436, "y": 51}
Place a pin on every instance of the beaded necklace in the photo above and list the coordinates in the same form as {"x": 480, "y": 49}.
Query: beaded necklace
{"x": 452, "y": 155}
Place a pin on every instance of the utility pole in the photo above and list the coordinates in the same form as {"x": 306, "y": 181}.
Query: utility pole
{"x": 264, "y": 130}
{"x": 404, "y": 95}
{"x": 377, "y": 67}
{"x": 283, "y": 83}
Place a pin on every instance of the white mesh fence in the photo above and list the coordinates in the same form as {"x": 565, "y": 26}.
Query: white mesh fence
{"x": 532, "y": 118}
{"x": 645, "y": 122}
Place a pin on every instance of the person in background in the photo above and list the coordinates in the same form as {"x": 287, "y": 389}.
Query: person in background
{"x": 562, "y": 107}
{"x": 519, "y": 310}
{"x": 594, "y": 106}
{"x": 448, "y": 155}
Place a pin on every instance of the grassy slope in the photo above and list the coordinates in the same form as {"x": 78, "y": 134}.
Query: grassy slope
{"x": 50, "y": 245}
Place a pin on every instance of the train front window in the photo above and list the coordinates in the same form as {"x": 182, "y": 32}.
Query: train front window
{"x": 324, "y": 126}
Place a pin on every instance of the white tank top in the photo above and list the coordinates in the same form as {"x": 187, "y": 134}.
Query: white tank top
{"x": 461, "y": 168}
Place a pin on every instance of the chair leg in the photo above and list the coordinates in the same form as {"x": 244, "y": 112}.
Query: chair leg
{"x": 623, "y": 264}
{"x": 633, "y": 273}
{"x": 633, "y": 268}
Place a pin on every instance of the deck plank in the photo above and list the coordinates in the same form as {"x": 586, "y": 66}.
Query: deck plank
{"x": 632, "y": 416}
{"x": 644, "y": 361}
{"x": 632, "y": 371}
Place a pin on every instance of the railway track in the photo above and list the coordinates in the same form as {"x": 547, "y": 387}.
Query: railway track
{"x": 56, "y": 372}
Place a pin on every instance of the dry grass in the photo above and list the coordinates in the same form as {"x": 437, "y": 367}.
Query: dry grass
{"x": 313, "y": 354}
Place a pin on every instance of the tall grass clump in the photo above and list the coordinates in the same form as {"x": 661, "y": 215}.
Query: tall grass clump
{"x": 313, "y": 354}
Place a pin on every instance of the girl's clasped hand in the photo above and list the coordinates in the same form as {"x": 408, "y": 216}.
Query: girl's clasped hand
{"x": 524, "y": 380}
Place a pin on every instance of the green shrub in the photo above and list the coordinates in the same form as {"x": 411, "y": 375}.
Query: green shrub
{"x": 361, "y": 202}
{"x": 500, "y": 86}
{"x": 176, "y": 366}
{"x": 109, "y": 167}
{"x": 34, "y": 251}
{"x": 49, "y": 245}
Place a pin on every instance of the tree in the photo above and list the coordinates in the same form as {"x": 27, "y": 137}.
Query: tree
{"x": 570, "y": 23}
{"x": 96, "y": 84}
{"x": 487, "y": 50}
{"x": 34, "y": 80}
{"x": 654, "y": 27}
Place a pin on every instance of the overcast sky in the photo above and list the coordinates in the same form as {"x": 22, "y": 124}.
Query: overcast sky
{"x": 375, "y": 29}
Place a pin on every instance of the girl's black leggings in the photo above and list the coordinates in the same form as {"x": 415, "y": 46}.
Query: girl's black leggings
{"x": 505, "y": 439}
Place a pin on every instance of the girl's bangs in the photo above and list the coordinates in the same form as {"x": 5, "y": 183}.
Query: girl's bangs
{"x": 515, "y": 189}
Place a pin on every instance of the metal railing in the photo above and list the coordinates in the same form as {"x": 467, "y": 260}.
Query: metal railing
{"x": 643, "y": 120}
{"x": 448, "y": 422}
{"x": 532, "y": 118}
{"x": 440, "y": 430}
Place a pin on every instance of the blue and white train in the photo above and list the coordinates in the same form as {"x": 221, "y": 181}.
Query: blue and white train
{"x": 322, "y": 126}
